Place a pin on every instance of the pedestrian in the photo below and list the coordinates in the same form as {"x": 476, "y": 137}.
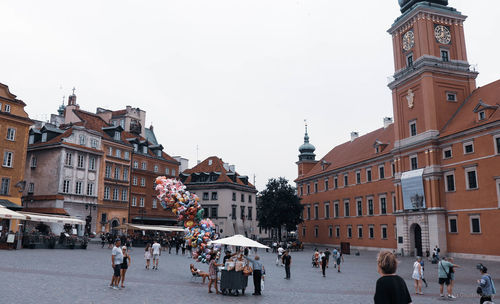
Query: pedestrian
{"x": 452, "y": 274}
{"x": 103, "y": 240}
{"x": 444, "y": 277}
{"x": 287, "y": 261}
{"x": 417, "y": 276}
{"x": 390, "y": 288}
{"x": 322, "y": 257}
{"x": 423, "y": 268}
{"x": 212, "y": 272}
{"x": 126, "y": 262}
{"x": 147, "y": 254}
{"x": 156, "y": 253}
{"x": 316, "y": 257}
{"x": 183, "y": 248}
{"x": 258, "y": 270}
{"x": 486, "y": 287}
{"x": 169, "y": 244}
{"x": 340, "y": 259}
{"x": 116, "y": 263}
{"x": 280, "y": 255}
{"x": 334, "y": 255}
{"x": 177, "y": 246}
{"x": 327, "y": 255}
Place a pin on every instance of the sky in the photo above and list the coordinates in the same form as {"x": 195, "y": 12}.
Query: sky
{"x": 234, "y": 78}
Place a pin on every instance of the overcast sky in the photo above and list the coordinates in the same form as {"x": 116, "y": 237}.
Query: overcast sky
{"x": 237, "y": 78}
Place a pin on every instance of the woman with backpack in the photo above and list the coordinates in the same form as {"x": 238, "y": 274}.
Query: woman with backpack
{"x": 486, "y": 287}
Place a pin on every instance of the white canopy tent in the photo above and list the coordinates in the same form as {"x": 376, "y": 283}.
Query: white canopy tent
{"x": 9, "y": 214}
{"x": 239, "y": 240}
{"x": 37, "y": 217}
{"x": 156, "y": 227}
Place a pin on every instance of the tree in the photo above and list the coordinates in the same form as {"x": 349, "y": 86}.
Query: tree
{"x": 279, "y": 206}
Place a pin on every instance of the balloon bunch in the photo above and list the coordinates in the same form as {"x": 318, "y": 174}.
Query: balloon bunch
{"x": 174, "y": 196}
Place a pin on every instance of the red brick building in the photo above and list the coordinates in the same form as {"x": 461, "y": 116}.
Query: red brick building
{"x": 431, "y": 177}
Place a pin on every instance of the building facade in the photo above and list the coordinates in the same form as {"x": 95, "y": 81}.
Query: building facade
{"x": 14, "y": 128}
{"x": 431, "y": 177}
{"x": 227, "y": 198}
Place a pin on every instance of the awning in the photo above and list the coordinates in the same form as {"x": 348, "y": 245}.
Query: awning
{"x": 239, "y": 240}
{"x": 55, "y": 211}
{"x": 156, "y": 227}
{"x": 9, "y": 214}
{"x": 37, "y": 217}
{"x": 8, "y": 204}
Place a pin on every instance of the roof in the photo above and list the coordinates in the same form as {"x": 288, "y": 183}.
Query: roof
{"x": 466, "y": 117}
{"x": 59, "y": 211}
{"x": 10, "y": 205}
{"x": 150, "y": 135}
{"x": 352, "y": 152}
{"x": 95, "y": 122}
{"x": 130, "y": 137}
{"x": 119, "y": 113}
{"x": 215, "y": 165}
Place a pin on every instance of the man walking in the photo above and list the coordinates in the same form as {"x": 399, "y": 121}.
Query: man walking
{"x": 327, "y": 255}
{"x": 322, "y": 258}
{"x": 287, "y": 260}
{"x": 156, "y": 254}
{"x": 116, "y": 263}
{"x": 334, "y": 256}
{"x": 340, "y": 259}
{"x": 257, "y": 274}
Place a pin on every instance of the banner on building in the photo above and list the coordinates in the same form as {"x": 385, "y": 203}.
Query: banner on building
{"x": 413, "y": 189}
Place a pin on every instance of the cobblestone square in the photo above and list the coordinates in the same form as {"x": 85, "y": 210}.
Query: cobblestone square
{"x": 82, "y": 276}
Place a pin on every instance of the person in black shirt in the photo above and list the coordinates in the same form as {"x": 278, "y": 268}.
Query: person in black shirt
{"x": 287, "y": 260}
{"x": 327, "y": 255}
{"x": 390, "y": 288}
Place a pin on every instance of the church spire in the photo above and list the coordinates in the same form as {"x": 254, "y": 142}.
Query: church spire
{"x": 306, "y": 149}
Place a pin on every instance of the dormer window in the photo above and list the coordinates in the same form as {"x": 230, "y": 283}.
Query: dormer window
{"x": 82, "y": 139}
{"x": 136, "y": 147}
{"x": 145, "y": 149}
{"x": 31, "y": 139}
{"x": 481, "y": 115}
{"x": 117, "y": 135}
{"x": 158, "y": 153}
{"x": 44, "y": 137}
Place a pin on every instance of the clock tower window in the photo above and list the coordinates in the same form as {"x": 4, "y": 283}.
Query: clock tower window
{"x": 445, "y": 55}
{"x": 451, "y": 96}
{"x": 413, "y": 128}
{"x": 409, "y": 60}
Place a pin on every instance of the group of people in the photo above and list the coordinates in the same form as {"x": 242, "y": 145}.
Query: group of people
{"x": 322, "y": 259}
{"x": 391, "y": 288}
{"x": 120, "y": 260}
{"x": 152, "y": 252}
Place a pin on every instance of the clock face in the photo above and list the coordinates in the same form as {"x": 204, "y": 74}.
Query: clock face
{"x": 442, "y": 34}
{"x": 408, "y": 40}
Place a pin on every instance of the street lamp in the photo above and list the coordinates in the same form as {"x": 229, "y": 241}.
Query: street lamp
{"x": 88, "y": 224}
{"x": 142, "y": 211}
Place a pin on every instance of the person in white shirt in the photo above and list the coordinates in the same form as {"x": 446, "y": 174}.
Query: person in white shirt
{"x": 156, "y": 254}
{"x": 280, "y": 255}
{"x": 116, "y": 263}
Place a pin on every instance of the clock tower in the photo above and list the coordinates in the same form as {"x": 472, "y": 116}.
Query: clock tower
{"x": 432, "y": 79}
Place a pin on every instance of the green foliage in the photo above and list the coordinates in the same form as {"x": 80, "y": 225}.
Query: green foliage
{"x": 278, "y": 206}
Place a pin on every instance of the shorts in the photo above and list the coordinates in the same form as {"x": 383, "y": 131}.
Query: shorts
{"x": 156, "y": 256}
{"x": 444, "y": 281}
{"x": 117, "y": 269}
{"x": 338, "y": 261}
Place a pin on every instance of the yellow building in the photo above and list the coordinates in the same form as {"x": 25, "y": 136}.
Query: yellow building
{"x": 14, "y": 128}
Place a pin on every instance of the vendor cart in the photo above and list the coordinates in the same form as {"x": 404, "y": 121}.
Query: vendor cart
{"x": 232, "y": 281}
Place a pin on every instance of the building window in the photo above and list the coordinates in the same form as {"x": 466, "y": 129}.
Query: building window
{"x": 330, "y": 231}
{"x": 242, "y": 212}
{"x": 413, "y": 128}
{"x": 409, "y": 60}
{"x": 134, "y": 201}
{"x": 360, "y": 231}
{"x": 316, "y": 187}
{"x": 358, "y": 177}
{"x": 308, "y": 212}
{"x": 359, "y": 207}
{"x": 316, "y": 231}
{"x": 249, "y": 198}
{"x": 205, "y": 196}
{"x": 249, "y": 215}
{"x": 215, "y": 213}
{"x": 134, "y": 180}
{"x": 66, "y": 185}
{"x": 4, "y": 190}
{"x": 393, "y": 202}
{"x": 115, "y": 194}
{"x": 242, "y": 198}
{"x": 346, "y": 209}
{"x": 234, "y": 196}
{"x": 155, "y": 203}
{"x": 481, "y": 115}
{"x": 141, "y": 202}
{"x": 447, "y": 153}
{"x": 8, "y": 159}
{"x": 90, "y": 189}
{"x": 381, "y": 172}
{"x": 143, "y": 182}
{"x": 445, "y": 55}
{"x": 326, "y": 184}
{"x": 117, "y": 173}
{"x": 449, "y": 180}
{"x": 82, "y": 140}
{"x": 118, "y": 153}
{"x": 336, "y": 182}
{"x": 384, "y": 232}
{"x": 110, "y": 151}
{"x": 497, "y": 144}
{"x": 393, "y": 168}
{"x": 155, "y": 168}
{"x": 370, "y": 206}
{"x": 145, "y": 149}
{"x": 468, "y": 147}
{"x": 126, "y": 155}
{"x": 346, "y": 180}
{"x": 498, "y": 191}
{"x": 167, "y": 171}
{"x": 214, "y": 196}
{"x": 173, "y": 172}
{"x": 11, "y": 134}
{"x": 117, "y": 135}
{"x": 414, "y": 162}
{"x": 124, "y": 194}
{"x": 337, "y": 231}
{"x": 371, "y": 232}
{"x": 31, "y": 139}
{"x": 136, "y": 164}
{"x": 93, "y": 143}
{"x": 31, "y": 188}
{"x": 303, "y": 231}
{"x": 81, "y": 161}
{"x": 44, "y": 137}
{"x": 316, "y": 211}
{"x": 122, "y": 123}
{"x": 471, "y": 178}
{"x": 368, "y": 175}
{"x": 383, "y": 205}
{"x": 107, "y": 191}
{"x": 69, "y": 159}
{"x": 349, "y": 231}
{"x": 78, "y": 188}
{"x": 233, "y": 213}
{"x": 125, "y": 174}
{"x": 91, "y": 163}
{"x": 7, "y": 108}
{"x": 475, "y": 224}
{"x": 452, "y": 224}
{"x": 451, "y": 97}
{"x": 327, "y": 210}
{"x": 144, "y": 166}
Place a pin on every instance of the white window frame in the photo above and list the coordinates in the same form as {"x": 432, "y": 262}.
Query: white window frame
{"x": 173, "y": 172}
{"x": 134, "y": 201}
{"x": 8, "y": 159}
{"x": 411, "y": 123}
{"x": 380, "y": 197}
{"x": 316, "y": 211}
{"x": 467, "y": 170}
{"x": 155, "y": 203}
{"x": 107, "y": 191}
{"x": 90, "y": 189}
{"x": 448, "y": 149}
{"x": 124, "y": 194}
{"x": 446, "y": 174}
{"x": 495, "y": 138}
{"x": 498, "y": 190}
{"x": 144, "y": 166}
{"x": 141, "y": 202}
{"x": 358, "y": 177}
{"x": 93, "y": 143}
{"x": 360, "y": 236}
{"x": 145, "y": 149}
{"x": 326, "y": 183}
{"x": 447, "y": 51}
{"x": 337, "y": 231}
{"x": 91, "y": 163}
{"x": 382, "y": 232}
{"x": 475, "y": 216}
{"x": 347, "y": 210}
{"x": 470, "y": 142}
{"x": 143, "y": 182}
{"x": 336, "y": 209}
{"x": 335, "y": 182}
{"x": 80, "y": 161}
{"x": 31, "y": 188}
{"x": 316, "y": 231}
{"x": 110, "y": 151}
{"x": 116, "y": 194}
{"x": 118, "y": 153}
{"x": 371, "y": 232}
{"x": 11, "y": 134}
{"x": 167, "y": 171}
{"x": 371, "y": 175}
{"x": 349, "y": 231}
{"x": 393, "y": 197}
{"x": 125, "y": 174}
{"x": 7, "y": 108}
{"x": 383, "y": 168}
{"x": 81, "y": 139}
{"x": 156, "y": 168}
{"x": 66, "y": 186}
{"x": 453, "y": 217}
{"x": 33, "y": 161}
{"x": 448, "y": 94}
{"x": 117, "y": 173}
{"x": 136, "y": 164}
{"x": 117, "y": 136}
{"x": 368, "y": 198}
{"x": 134, "y": 180}
{"x": 481, "y": 115}
{"x": 359, "y": 200}
{"x": 126, "y": 155}
{"x": 44, "y": 137}
{"x": 413, "y": 156}
{"x": 327, "y": 210}
{"x": 330, "y": 231}
{"x": 68, "y": 161}
{"x": 346, "y": 179}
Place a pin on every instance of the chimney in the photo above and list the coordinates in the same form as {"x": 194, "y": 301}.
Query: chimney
{"x": 226, "y": 166}
{"x": 72, "y": 100}
{"x": 151, "y": 128}
{"x": 232, "y": 168}
{"x": 387, "y": 122}
{"x": 354, "y": 135}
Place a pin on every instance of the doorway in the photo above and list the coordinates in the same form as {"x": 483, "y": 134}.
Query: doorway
{"x": 418, "y": 239}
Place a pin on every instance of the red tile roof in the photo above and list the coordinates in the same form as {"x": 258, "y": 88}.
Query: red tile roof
{"x": 465, "y": 117}
{"x": 95, "y": 122}
{"x": 352, "y": 152}
{"x": 128, "y": 135}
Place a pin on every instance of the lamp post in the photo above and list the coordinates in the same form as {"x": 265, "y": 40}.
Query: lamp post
{"x": 88, "y": 225}
{"x": 142, "y": 211}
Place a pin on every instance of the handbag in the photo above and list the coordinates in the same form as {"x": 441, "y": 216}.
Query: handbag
{"x": 262, "y": 284}
{"x": 479, "y": 290}
{"x": 448, "y": 275}
{"x": 247, "y": 270}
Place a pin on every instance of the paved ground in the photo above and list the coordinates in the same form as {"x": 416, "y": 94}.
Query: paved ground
{"x": 82, "y": 276}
